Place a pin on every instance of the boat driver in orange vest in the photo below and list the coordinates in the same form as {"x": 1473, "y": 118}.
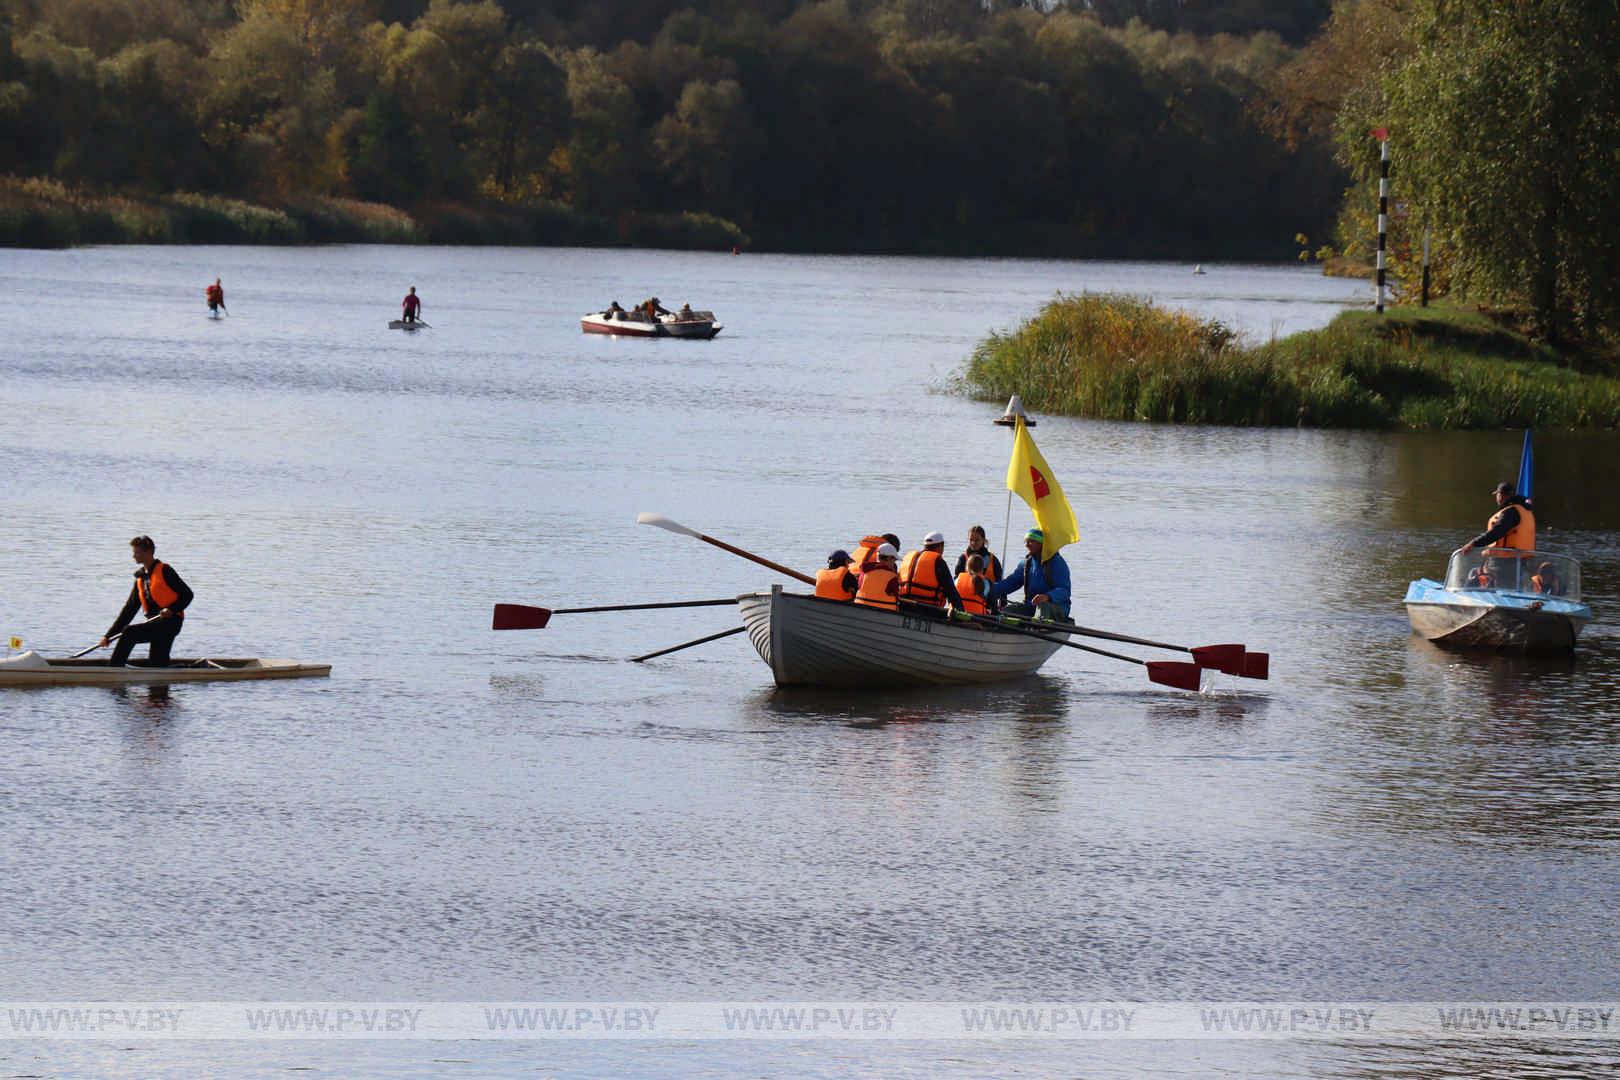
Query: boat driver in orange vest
{"x": 924, "y": 578}
{"x": 162, "y": 596}
{"x": 1512, "y": 526}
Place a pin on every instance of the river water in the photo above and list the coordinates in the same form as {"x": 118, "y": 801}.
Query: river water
{"x": 458, "y": 815}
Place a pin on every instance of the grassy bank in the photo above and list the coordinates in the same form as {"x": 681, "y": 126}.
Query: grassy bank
{"x": 47, "y": 214}
{"x": 1121, "y": 358}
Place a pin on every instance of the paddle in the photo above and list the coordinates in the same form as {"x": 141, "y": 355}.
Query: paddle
{"x": 689, "y": 644}
{"x": 524, "y": 617}
{"x": 1228, "y": 659}
{"x": 1176, "y": 673}
{"x": 662, "y": 522}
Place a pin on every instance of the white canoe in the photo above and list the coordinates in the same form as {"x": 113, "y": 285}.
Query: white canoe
{"x": 808, "y": 641}
{"x": 32, "y": 669}
{"x": 401, "y": 324}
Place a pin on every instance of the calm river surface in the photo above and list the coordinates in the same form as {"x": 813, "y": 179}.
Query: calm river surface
{"x": 460, "y": 815}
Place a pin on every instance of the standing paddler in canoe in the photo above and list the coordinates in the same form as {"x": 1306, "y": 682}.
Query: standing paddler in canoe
{"x": 215, "y": 295}
{"x": 162, "y": 596}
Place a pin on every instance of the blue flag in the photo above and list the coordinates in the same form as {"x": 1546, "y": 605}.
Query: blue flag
{"x": 1527, "y": 467}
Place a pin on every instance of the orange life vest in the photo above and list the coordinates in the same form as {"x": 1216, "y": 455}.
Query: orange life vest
{"x": 990, "y": 563}
{"x": 865, "y": 551}
{"x": 922, "y": 577}
{"x": 830, "y": 584}
{"x": 969, "y": 591}
{"x": 1523, "y": 535}
{"x": 216, "y": 295}
{"x": 875, "y": 586}
{"x": 155, "y": 591}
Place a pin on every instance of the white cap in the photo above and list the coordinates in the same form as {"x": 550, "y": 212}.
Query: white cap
{"x": 935, "y": 537}
{"x": 889, "y": 550}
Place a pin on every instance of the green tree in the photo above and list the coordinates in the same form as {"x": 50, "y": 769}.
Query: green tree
{"x": 1505, "y": 124}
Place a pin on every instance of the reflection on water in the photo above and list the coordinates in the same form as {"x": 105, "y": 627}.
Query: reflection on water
{"x": 1036, "y": 699}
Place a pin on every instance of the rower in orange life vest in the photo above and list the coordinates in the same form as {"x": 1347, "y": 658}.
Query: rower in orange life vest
{"x": 866, "y": 550}
{"x": 838, "y": 581}
{"x": 1512, "y": 526}
{"x": 923, "y": 577}
{"x": 411, "y": 305}
{"x": 215, "y": 295}
{"x": 880, "y": 584}
{"x": 158, "y": 592}
{"x": 974, "y": 587}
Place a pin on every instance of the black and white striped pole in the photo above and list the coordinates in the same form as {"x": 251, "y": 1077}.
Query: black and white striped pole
{"x": 1382, "y": 135}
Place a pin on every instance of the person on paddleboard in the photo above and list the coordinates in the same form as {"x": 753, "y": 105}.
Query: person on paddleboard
{"x": 215, "y": 295}
{"x": 411, "y": 305}
{"x": 158, "y": 593}
{"x": 1044, "y": 579}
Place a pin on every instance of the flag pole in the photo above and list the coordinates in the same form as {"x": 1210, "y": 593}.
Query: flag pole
{"x": 1009, "y": 419}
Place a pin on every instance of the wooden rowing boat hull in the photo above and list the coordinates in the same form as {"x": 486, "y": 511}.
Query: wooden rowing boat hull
{"x": 807, "y": 641}
{"x": 31, "y": 669}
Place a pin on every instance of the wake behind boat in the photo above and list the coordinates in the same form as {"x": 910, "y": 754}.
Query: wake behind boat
{"x": 32, "y": 669}
{"x": 1501, "y": 598}
{"x": 808, "y": 641}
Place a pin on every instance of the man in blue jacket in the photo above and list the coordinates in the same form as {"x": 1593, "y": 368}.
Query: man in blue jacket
{"x": 1045, "y": 581}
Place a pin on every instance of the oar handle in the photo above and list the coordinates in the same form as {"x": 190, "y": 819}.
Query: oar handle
{"x": 778, "y": 567}
{"x": 1005, "y": 628}
{"x": 1108, "y": 635}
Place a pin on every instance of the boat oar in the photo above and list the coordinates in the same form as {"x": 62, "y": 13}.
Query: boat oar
{"x": 689, "y": 644}
{"x": 662, "y": 522}
{"x": 1177, "y": 673}
{"x": 1228, "y": 659}
{"x": 524, "y": 617}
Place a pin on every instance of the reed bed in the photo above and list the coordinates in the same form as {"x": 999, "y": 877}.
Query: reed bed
{"x": 44, "y": 213}
{"x": 1119, "y": 357}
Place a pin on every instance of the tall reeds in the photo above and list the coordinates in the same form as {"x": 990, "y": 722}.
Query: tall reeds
{"x": 1120, "y": 357}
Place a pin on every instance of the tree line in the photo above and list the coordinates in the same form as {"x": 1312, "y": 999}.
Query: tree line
{"x": 1100, "y": 128}
{"x": 1504, "y": 129}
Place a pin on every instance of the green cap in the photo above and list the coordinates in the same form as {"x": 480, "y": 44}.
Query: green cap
{"x": 1036, "y": 535}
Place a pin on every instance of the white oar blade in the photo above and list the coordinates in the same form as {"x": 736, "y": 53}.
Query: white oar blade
{"x": 662, "y": 522}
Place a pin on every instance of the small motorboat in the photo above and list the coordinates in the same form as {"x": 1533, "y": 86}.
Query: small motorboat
{"x": 690, "y": 324}
{"x": 682, "y": 324}
{"x": 31, "y": 669}
{"x": 808, "y": 641}
{"x": 620, "y": 324}
{"x": 1504, "y": 599}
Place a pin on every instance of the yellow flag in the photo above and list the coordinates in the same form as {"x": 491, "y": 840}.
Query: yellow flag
{"x": 1029, "y": 475}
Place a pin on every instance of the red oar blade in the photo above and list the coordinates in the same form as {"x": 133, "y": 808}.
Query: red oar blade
{"x": 1225, "y": 658}
{"x": 1256, "y": 665}
{"x": 520, "y": 617}
{"x": 1176, "y": 673}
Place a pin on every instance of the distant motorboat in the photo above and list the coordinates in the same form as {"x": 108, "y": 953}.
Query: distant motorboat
{"x": 620, "y": 323}
{"x": 1503, "y": 599}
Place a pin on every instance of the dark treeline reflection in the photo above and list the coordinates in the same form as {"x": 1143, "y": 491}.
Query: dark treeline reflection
{"x": 1100, "y": 129}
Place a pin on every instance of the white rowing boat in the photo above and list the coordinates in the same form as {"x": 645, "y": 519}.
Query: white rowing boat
{"x": 808, "y": 641}
{"x": 32, "y": 669}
